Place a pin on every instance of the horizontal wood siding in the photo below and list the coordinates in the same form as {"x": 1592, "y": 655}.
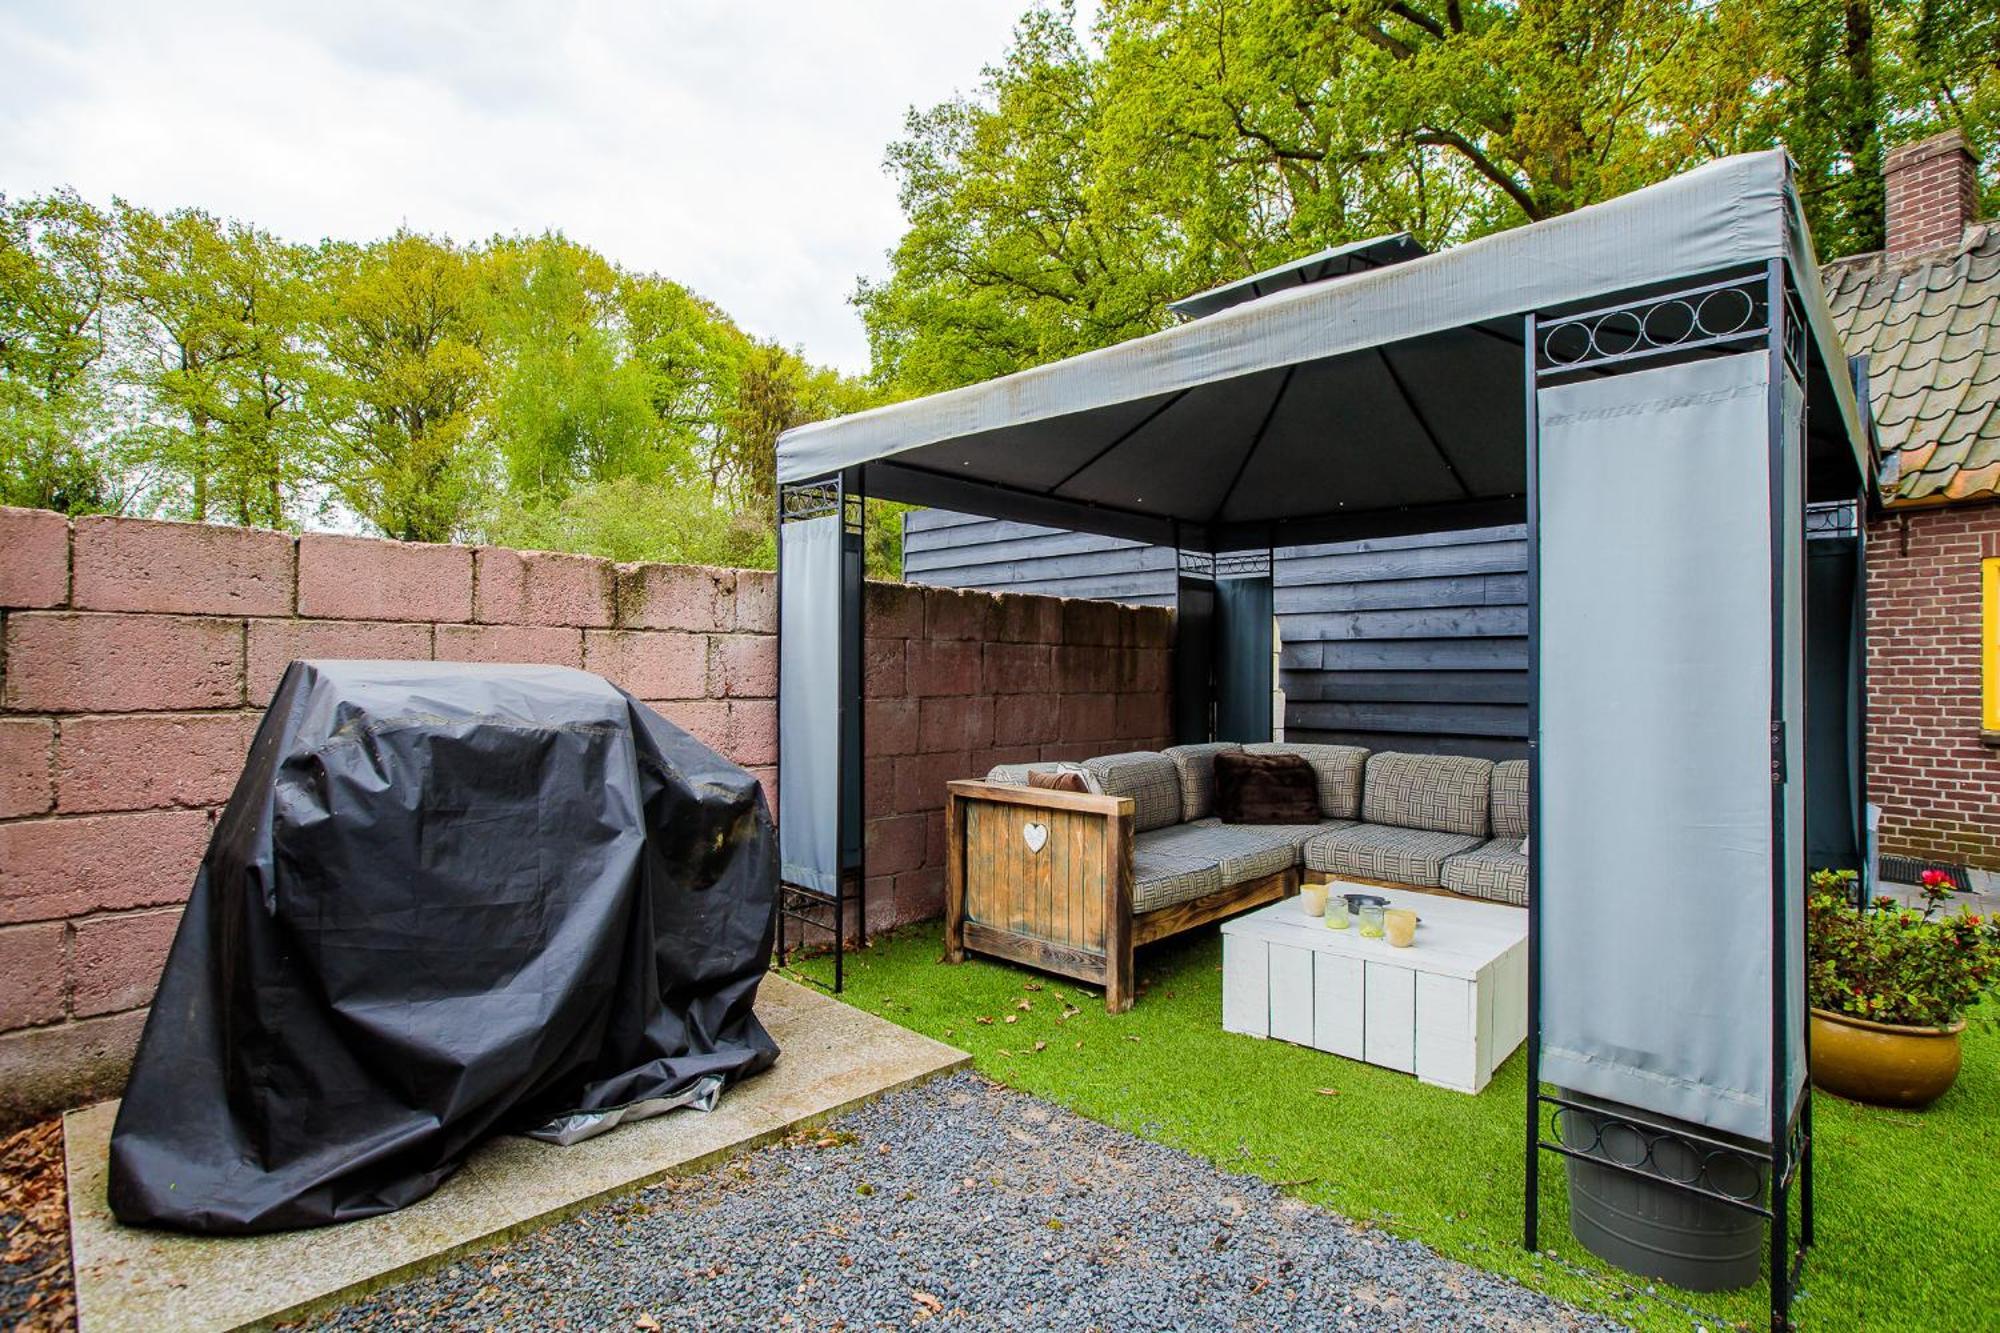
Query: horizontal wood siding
{"x": 1411, "y": 643}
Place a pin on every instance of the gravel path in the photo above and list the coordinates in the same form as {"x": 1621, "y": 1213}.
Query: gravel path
{"x": 962, "y": 1204}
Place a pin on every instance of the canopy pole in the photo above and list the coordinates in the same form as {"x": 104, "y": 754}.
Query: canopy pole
{"x": 821, "y": 572}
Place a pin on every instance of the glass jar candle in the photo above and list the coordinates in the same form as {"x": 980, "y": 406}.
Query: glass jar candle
{"x": 1400, "y": 925}
{"x": 1336, "y": 912}
{"x": 1371, "y": 921}
{"x": 1312, "y": 899}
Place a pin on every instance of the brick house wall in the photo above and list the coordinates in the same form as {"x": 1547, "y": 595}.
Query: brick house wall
{"x": 136, "y": 657}
{"x": 1930, "y": 768}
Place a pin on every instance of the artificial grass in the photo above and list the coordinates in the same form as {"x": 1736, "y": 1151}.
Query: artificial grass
{"x": 1905, "y": 1202}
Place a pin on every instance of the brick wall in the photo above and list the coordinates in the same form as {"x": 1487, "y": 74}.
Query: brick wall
{"x": 1936, "y": 777}
{"x": 1933, "y": 192}
{"x": 135, "y": 659}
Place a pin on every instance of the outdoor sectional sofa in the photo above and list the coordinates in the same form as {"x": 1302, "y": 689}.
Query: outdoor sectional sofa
{"x": 1071, "y": 882}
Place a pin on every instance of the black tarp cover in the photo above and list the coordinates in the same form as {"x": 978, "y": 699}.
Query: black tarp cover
{"x": 444, "y": 902}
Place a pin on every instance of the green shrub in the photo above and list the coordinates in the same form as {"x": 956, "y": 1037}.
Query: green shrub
{"x": 1895, "y": 964}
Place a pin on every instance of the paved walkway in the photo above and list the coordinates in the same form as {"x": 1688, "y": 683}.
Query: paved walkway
{"x": 961, "y": 1204}
{"x": 833, "y": 1058}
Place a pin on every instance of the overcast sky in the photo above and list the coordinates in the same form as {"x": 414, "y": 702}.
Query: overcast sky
{"x": 732, "y": 145}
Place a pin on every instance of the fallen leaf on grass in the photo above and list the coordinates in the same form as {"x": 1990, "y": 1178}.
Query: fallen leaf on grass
{"x": 1327, "y": 1092}
{"x": 1041, "y": 1046}
{"x": 1130, "y": 1037}
{"x": 1024, "y": 1005}
{"x": 983, "y": 1020}
{"x": 1032, "y": 985}
{"x": 1013, "y": 1018}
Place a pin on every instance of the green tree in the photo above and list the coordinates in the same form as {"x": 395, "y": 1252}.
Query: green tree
{"x": 219, "y": 354}
{"x": 1088, "y": 182}
{"x": 55, "y": 414}
{"x": 406, "y": 329}
{"x": 569, "y": 404}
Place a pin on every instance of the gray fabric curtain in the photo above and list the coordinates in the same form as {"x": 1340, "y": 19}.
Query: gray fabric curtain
{"x": 809, "y": 760}
{"x": 1654, "y": 673}
{"x": 1242, "y": 648}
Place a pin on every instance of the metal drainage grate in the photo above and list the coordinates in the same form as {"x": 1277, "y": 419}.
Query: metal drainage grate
{"x": 1909, "y": 870}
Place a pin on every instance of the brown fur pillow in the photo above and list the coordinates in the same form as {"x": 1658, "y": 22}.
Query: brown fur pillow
{"x": 1265, "y": 789}
{"x": 1056, "y": 780}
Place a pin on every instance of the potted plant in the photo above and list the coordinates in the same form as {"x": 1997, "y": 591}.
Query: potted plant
{"x": 1890, "y": 987}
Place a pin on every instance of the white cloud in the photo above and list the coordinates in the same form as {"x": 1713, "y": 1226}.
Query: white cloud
{"x": 736, "y": 147}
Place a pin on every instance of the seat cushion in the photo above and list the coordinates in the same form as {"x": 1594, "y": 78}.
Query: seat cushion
{"x": 1265, "y": 789}
{"x": 1196, "y": 766}
{"x": 1444, "y": 793}
{"x": 1239, "y": 852}
{"x": 1510, "y": 799}
{"x": 1338, "y": 768}
{"x": 1378, "y": 851}
{"x": 1150, "y": 779}
{"x": 1497, "y": 872}
{"x": 1162, "y": 877}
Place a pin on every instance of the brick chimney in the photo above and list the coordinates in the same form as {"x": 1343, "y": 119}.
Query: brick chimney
{"x": 1932, "y": 194}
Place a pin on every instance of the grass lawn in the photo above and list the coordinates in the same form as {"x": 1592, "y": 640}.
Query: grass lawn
{"x": 1907, "y": 1203}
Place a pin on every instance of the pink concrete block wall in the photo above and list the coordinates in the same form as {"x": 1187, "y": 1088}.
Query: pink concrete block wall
{"x": 136, "y": 657}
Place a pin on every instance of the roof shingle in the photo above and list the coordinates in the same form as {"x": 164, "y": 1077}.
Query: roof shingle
{"x": 1930, "y": 326}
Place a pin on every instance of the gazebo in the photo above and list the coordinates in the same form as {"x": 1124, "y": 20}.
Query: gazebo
{"x": 1652, "y": 385}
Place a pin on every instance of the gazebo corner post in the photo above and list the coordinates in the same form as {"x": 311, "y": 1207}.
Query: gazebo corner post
{"x": 851, "y": 820}
{"x": 1531, "y": 1202}
{"x": 820, "y": 587}
{"x": 779, "y": 952}
{"x": 1791, "y": 1123}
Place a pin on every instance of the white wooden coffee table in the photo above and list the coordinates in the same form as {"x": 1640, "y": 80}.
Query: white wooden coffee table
{"x": 1449, "y": 1009}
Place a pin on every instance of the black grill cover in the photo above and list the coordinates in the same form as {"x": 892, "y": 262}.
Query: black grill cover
{"x": 445, "y": 901}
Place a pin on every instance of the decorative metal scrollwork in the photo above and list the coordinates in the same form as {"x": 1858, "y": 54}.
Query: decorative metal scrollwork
{"x": 1689, "y": 1162}
{"x": 1196, "y": 564}
{"x": 1243, "y": 564}
{"x": 1716, "y": 314}
{"x": 813, "y": 499}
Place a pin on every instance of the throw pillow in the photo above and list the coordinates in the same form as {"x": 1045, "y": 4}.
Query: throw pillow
{"x": 1056, "y": 780}
{"x": 1265, "y": 789}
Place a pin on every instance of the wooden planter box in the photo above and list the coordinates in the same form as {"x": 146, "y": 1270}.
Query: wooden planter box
{"x": 1044, "y": 878}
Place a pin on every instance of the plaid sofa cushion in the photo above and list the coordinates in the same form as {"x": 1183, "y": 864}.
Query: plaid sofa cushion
{"x": 1444, "y": 793}
{"x": 1497, "y": 872}
{"x": 1240, "y": 852}
{"x": 1377, "y": 851}
{"x": 1510, "y": 799}
{"x": 1162, "y": 877}
{"x": 1338, "y": 768}
{"x": 1196, "y": 765}
{"x": 1150, "y": 779}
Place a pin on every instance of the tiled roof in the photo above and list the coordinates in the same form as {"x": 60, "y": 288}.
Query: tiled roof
{"x": 1930, "y": 326}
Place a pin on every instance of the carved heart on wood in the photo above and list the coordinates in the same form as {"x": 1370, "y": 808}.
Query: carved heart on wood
{"x": 1036, "y": 835}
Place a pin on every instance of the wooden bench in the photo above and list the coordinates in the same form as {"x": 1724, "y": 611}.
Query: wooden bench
{"x": 1044, "y": 878}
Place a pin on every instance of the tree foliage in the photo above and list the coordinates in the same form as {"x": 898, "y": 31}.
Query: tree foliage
{"x": 1092, "y": 179}
{"x": 525, "y": 389}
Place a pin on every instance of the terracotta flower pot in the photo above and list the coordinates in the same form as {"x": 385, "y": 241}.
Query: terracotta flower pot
{"x": 1883, "y": 1063}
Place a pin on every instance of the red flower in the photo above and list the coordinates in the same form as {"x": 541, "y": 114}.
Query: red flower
{"x": 1932, "y": 879}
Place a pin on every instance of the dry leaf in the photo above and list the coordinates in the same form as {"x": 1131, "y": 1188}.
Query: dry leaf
{"x": 1327, "y": 1092}
{"x": 983, "y": 1019}
{"x": 1032, "y": 985}
{"x": 928, "y": 1301}
{"x": 1013, "y": 1018}
{"x": 647, "y": 1321}
{"x": 1024, "y": 1005}
{"x": 1041, "y": 1046}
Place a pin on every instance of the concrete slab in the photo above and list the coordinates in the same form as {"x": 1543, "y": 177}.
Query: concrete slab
{"x": 833, "y": 1057}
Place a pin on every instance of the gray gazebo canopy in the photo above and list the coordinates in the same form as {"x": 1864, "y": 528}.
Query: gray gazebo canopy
{"x": 1379, "y": 401}
{"x": 1654, "y": 385}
